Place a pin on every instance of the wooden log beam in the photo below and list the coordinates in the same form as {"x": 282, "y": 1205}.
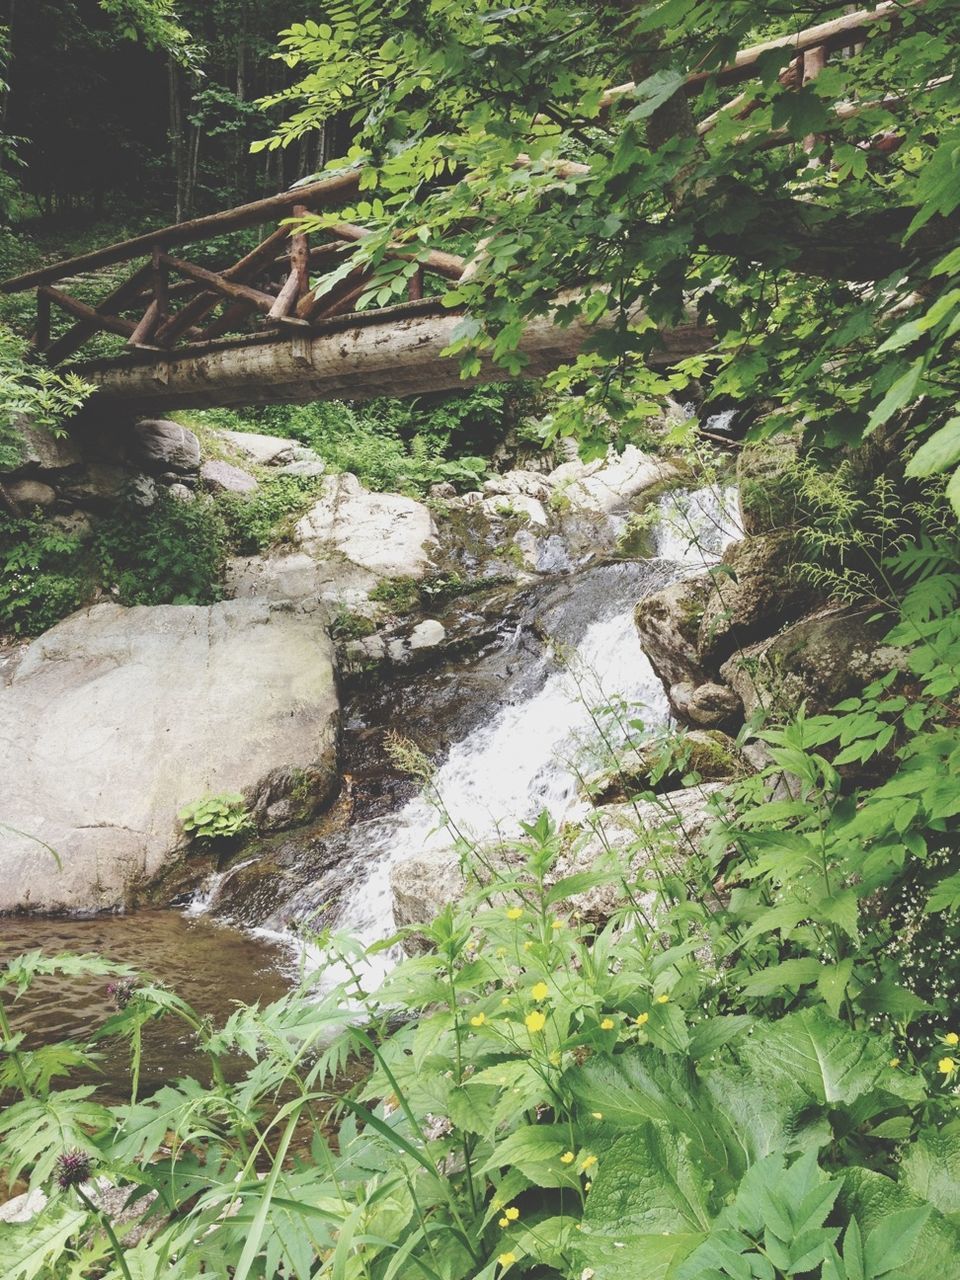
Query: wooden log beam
{"x": 41, "y": 334}
{"x": 232, "y": 317}
{"x": 201, "y": 306}
{"x": 448, "y": 265}
{"x": 330, "y": 191}
{"x": 98, "y": 319}
{"x": 835, "y": 34}
{"x": 220, "y": 284}
{"x": 115, "y": 301}
{"x": 393, "y": 352}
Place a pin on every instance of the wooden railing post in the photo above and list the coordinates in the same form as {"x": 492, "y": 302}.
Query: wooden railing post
{"x": 297, "y": 283}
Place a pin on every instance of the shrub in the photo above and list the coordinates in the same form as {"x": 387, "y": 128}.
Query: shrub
{"x": 260, "y": 519}
{"x": 42, "y": 575}
{"x": 214, "y": 818}
{"x": 171, "y": 553}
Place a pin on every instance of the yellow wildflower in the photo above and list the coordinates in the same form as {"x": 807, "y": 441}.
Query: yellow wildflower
{"x": 947, "y": 1066}
{"x": 663, "y": 999}
{"x": 535, "y": 1021}
{"x": 505, "y": 1000}
{"x": 567, "y": 1157}
{"x": 587, "y": 1186}
{"x": 555, "y": 1059}
{"x": 588, "y": 1162}
{"x": 642, "y": 1018}
{"x": 513, "y": 1213}
{"x": 558, "y": 923}
{"x": 478, "y": 1020}
{"x": 540, "y": 991}
{"x": 503, "y": 1222}
{"x": 514, "y": 913}
{"x": 527, "y": 945}
{"x": 607, "y": 1024}
{"x": 506, "y": 1259}
{"x": 894, "y": 1062}
{"x": 951, "y": 1038}
{"x": 597, "y": 1115}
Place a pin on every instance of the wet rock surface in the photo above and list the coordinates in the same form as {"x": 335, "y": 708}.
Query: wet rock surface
{"x": 114, "y": 719}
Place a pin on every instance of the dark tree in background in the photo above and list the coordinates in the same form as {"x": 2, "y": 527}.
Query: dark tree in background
{"x": 108, "y": 119}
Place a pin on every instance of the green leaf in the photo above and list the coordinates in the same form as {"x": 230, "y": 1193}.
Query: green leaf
{"x": 930, "y": 1167}
{"x": 27, "y": 1249}
{"x": 940, "y": 451}
{"x": 653, "y": 92}
{"x": 827, "y": 1060}
{"x": 872, "y": 1198}
{"x": 790, "y": 973}
{"x": 648, "y": 1183}
{"x": 898, "y": 396}
{"x": 892, "y": 1242}
{"x": 535, "y": 1149}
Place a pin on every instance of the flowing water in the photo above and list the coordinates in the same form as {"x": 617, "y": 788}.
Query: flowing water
{"x": 572, "y": 647}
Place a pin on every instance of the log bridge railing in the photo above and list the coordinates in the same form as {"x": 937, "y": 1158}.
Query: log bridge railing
{"x": 273, "y": 280}
{"x": 168, "y": 303}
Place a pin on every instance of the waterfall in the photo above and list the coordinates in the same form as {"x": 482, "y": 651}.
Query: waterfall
{"x": 530, "y": 752}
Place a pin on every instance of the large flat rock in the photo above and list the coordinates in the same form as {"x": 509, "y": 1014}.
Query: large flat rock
{"x": 386, "y": 535}
{"x": 116, "y": 718}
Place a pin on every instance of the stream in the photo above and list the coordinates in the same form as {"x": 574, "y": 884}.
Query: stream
{"x": 516, "y": 730}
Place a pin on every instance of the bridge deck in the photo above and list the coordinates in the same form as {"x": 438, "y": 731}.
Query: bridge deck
{"x": 394, "y": 351}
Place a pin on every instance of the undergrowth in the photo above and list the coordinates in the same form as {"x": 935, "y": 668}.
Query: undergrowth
{"x": 612, "y": 1059}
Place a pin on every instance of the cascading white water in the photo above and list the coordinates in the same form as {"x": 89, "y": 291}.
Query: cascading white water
{"x": 530, "y": 753}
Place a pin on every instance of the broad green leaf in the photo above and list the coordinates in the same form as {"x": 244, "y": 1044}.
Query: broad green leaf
{"x": 930, "y": 1167}
{"x": 823, "y": 1057}
{"x": 940, "y": 451}
{"x": 647, "y": 1183}
{"x": 535, "y": 1149}
{"x": 872, "y": 1198}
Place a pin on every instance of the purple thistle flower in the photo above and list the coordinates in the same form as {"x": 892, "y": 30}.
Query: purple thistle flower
{"x": 73, "y": 1167}
{"x": 121, "y": 991}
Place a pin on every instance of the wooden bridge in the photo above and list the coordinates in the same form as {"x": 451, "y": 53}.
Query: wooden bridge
{"x": 280, "y": 324}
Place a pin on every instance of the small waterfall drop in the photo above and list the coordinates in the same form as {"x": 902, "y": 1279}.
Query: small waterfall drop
{"x": 531, "y": 751}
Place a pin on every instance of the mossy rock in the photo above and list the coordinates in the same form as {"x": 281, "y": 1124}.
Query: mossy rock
{"x": 768, "y": 483}
{"x": 660, "y": 766}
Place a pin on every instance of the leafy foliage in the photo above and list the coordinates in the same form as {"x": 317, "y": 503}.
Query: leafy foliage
{"x": 220, "y": 817}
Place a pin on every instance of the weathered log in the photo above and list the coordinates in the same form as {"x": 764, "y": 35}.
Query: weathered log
{"x": 448, "y": 265}
{"x": 835, "y": 34}
{"x": 201, "y": 306}
{"x": 41, "y": 335}
{"x": 393, "y": 352}
{"x": 220, "y": 284}
{"x": 144, "y": 330}
{"x": 115, "y": 301}
{"x": 332, "y": 190}
{"x": 98, "y": 319}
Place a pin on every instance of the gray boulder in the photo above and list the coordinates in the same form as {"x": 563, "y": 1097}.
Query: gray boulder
{"x": 31, "y": 493}
{"x": 222, "y": 477}
{"x": 365, "y": 536}
{"x": 116, "y": 718}
{"x": 609, "y": 483}
{"x": 761, "y": 590}
{"x": 668, "y": 623}
{"x": 767, "y": 483}
{"x": 295, "y": 576}
{"x": 820, "y": 660}
{"x": 99, "y": 486}
{"x": 266, "y": 451}
{"x": 709, "y": 705}
{"x": 159, "y": 445}
{"x": 42, "y": 450}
